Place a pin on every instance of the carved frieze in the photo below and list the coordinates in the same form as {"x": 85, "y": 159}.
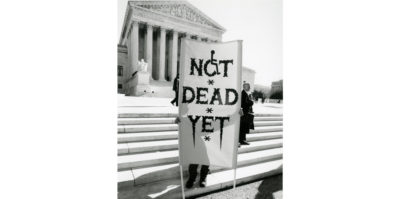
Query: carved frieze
{"x": 179, "y": 10}
{"x": 180, "y": 16}
{"x": 141, "y": 14}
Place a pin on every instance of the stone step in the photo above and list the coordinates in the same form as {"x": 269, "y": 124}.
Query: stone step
{"x": 156, "y": 173}
{"x": 156, "y": 120}
{"x": 160, "y": 144}
{"x": 260, "y": 145}
{"x": 159, "y": 115}
{"x": 268, "y": 118}
{"x": 171, "y": 135}
{"x": 147, "y": 136}
{"x": 215, "y": 181}
{"x": 146, "y": 128}
{"x": 141, "y": 147}
{"x": 126, "y": 162}
{"x": 267, "y": 123}
{"x": 267, "y": 129}
{"x": 174, "y": 127}
{"x": 263, "y": 136}
{"x": 146, "y": 115}
{"x": 171, "y": 120}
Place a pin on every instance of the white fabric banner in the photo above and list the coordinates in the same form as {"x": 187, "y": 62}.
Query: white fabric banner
{"x": 209, "y": 102}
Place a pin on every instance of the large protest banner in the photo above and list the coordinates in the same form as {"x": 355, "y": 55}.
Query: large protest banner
{"x": 209, "y": 102}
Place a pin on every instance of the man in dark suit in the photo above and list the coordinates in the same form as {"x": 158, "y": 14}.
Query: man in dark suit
{"x": 247, "y": 118}
{"x": 175, "y": 87}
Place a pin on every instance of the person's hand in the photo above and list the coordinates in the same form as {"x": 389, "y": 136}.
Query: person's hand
{"x": 241, "y": 112}
{"x": 177, "y": 120}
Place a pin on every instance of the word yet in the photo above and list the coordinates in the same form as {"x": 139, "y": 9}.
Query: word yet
{"x": 206, "y": 122}
{"x": 207, "y": 126}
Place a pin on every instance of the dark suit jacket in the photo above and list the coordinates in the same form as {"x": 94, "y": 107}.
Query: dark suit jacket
{"x": 247, "y": 120}
{"x": 175, "y": 86}
{"x": 247, "y": 103}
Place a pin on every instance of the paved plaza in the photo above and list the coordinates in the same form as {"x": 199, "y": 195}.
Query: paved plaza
{"x": 267, "y": 188}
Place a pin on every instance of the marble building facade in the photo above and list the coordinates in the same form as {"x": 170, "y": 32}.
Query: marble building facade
{"x": 151, "y": 34}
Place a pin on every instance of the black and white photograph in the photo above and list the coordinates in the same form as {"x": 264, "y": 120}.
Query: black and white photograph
{"x": 200, "y": 98}
{"x": 207, "y": 99}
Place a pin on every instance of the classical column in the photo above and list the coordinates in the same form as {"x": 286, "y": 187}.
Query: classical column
{"x": 161, "y": 61}
{"x": 173, "y": 55}
{"x": 198, "y": 38}
{"x": 134, "y": 47}
{"x": 127, "y": 69}
{"x": 149, "y": 50}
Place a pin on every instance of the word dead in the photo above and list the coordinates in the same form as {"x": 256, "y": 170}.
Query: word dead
{"x": 199, "y": 96}
{"x": 203, "y": 66}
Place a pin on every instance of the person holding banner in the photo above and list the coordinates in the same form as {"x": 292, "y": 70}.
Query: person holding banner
{"x": 193, "y": 171}
{"x": 192, "y": 167}
{"x": 247, "y": 116}
{"x": 209, "y": 105}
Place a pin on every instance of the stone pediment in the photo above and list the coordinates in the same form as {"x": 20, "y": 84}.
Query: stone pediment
{"x": 179, "y": 9}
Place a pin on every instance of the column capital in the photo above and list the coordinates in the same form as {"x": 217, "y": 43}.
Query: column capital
{"x": 184, "y": 34}
{"x": 150, "y": 24}
{"x": 149, "y": 27}
{"x": 133, "y": 22}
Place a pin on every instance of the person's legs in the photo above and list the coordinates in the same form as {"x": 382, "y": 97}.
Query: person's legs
{"x": 203, "y": 175}
{"x": 192, "y": 175}
{"x": 173, "y": 102}
{"x": 242, "y": 134}
{"x": 176, "y": 98}
{"x": 244, "y": 129}
{"x": 244, "y": 138}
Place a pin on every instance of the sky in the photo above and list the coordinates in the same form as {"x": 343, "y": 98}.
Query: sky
{"x": 257, "y": 22}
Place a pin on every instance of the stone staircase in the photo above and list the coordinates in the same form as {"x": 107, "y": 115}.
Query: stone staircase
{"x": 148, "y": 164}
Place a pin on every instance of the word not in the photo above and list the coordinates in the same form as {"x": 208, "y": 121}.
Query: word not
{"x": 200, "y": 67}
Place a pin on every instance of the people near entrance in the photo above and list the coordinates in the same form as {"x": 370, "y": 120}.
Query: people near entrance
{"x": 204, "y": 170}
{"x": 175, "y": 88}
{"x": 247, "y": 116}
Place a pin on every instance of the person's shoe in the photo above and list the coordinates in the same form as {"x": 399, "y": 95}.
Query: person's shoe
{"x": 189, "y": 184}
{"x": 202, "y": 183}
{"x": 245, "y": 143}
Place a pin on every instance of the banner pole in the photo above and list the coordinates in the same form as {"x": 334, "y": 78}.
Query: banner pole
{"x": 239, "y": 83}
{"x": 234, "y": 179}
{"x": 180, "y": 167}
{"x": 183, "y": 189}
{"x": 182, "y": 53}
{"x": 180, "y": 161}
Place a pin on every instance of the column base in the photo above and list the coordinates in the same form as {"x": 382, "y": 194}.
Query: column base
{"x": 139, "y": 84}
